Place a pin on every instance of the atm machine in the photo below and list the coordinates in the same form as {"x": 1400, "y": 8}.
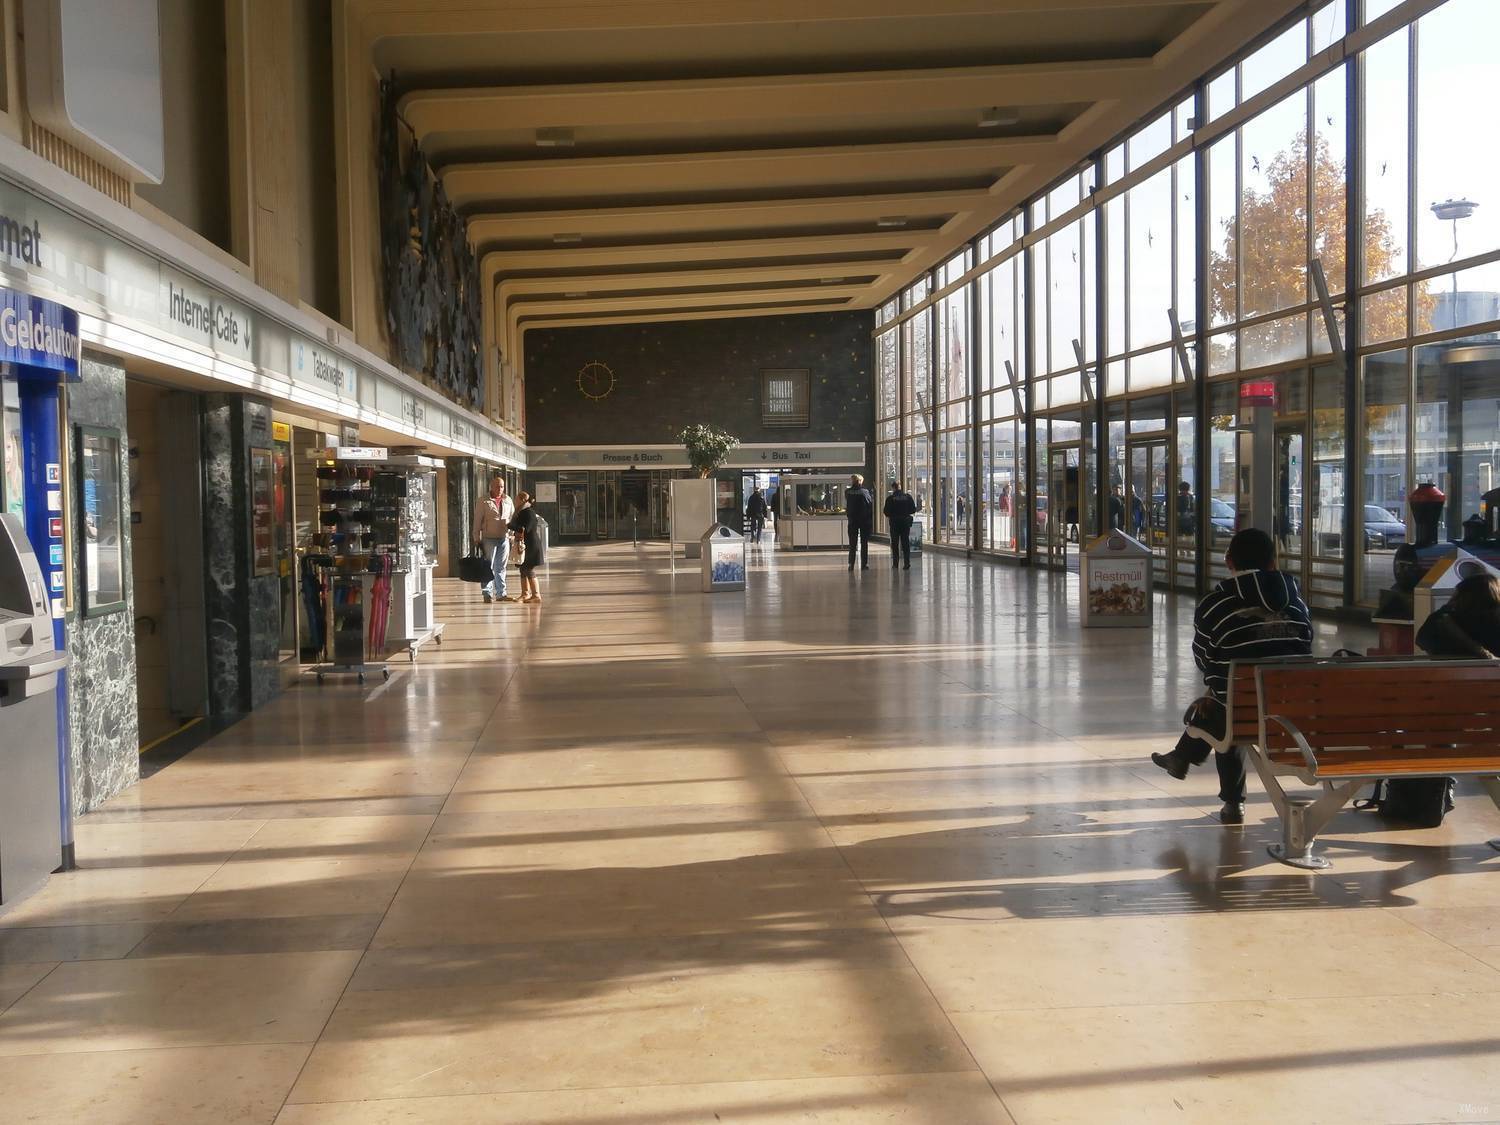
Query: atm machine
{"x": 30, "y": 828}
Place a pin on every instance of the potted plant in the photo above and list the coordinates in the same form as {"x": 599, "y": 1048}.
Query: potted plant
{"x": 708, "y": 449}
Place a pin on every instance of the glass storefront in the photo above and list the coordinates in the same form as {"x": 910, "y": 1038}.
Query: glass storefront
{"x": 1115, "y": 318}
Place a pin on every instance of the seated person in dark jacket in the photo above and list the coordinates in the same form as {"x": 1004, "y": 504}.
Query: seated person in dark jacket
{"x": 1254, "y": 614}
{"x": 1469, "y": 625}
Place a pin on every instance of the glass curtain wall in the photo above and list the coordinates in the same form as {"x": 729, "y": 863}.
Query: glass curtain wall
{"x": 954, "y": 493}
{"x": 887, "y": 410}
{"x": 1073, "y": 323}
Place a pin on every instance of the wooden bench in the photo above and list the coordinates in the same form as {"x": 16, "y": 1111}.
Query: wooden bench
{"x": 1342, "y": 725}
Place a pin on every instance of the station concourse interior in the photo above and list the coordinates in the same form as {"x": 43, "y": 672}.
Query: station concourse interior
{"x": 725, "y": 826}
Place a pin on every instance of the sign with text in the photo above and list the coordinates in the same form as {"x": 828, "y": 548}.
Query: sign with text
{"x": 36, "y": 332}
{"x": 321, "y": 369}
{"x": 1258, "y": 392}
{"x": 1116, "y": 581}
{"x": 193, "y": 311}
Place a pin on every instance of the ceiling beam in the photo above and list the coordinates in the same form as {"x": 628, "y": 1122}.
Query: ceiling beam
{"x": 592, "y": 257}
{"x": 416, "y": 18}
{"x": 685, "y": 280}
{"x": 773, "y": 98}
{"x": 821, "y": 294}
{"x": 470, "y": 184}
{"x": 750, "y": 215}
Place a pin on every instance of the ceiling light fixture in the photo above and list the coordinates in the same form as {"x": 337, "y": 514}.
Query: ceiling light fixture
{"x": 575, "y": 294}
{"x": 564, "y": 239}
{"x": 830, "y": 280}
{"x": 994, "y": 117}
{"x": 891, "y": 221}
{"x": 554, "y": 138}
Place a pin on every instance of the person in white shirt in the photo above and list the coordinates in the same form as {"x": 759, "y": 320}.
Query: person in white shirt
{"x": 492, "y": 533}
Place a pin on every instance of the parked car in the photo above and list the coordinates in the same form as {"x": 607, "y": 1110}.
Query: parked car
{"x": 1383, "y": 529}
{"x": 1220, "y": 517}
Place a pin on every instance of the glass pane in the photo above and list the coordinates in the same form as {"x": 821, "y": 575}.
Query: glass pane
{"x": 1274, "y": 61}
{"x": 1457, "y": 422}
{"x": 1384, "y": 315}
{"x": 1185, "y": 503}
{"x": 1065, "y": 296}
{"x": 1385, "y": 391}
{"x": 887, "y": 375}
{"x": 100, "y": 527}
{"x": 12, "y": 472}
{"x": 1222, "y": 94}
{"x": 1223, "y": 495}
{"x": 1329, "y": 181}
{"x": 1185, "y": 235}
{"x": 1328, "y": 24}
{"x": 1273, "y": 209}
{"x": 1148, "y": 415}
{"x": 1223, "y": 260}
{"x": 1153, "y": 369}
{"x": 1150, "y": 280}
{"x": 1325, "y": 476}
{"x": 1458, "y": 300}
{"x": 1115, "y": 289}
{"x": 1386, "y": 158}
{"x": 1275, "y": 341}
{"x": 1150, "y": 142}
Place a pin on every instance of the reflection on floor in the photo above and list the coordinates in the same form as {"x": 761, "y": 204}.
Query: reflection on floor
{"x": 847, "y": 848}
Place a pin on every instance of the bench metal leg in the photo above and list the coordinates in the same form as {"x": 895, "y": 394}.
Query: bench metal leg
{"x": 1492, "y": 787}
{"x": 1302, "y": 818}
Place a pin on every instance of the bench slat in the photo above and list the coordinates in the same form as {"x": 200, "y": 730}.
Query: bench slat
{"x": 1394, "y": 763}
{"x": 1424, "y": 724}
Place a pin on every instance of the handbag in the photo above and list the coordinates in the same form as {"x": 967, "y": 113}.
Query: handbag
{"x": 474, "y": 567}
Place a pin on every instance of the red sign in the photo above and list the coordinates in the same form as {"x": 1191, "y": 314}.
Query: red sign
{"x": 1258, "y": 392}
{"x": 54, "y": 527}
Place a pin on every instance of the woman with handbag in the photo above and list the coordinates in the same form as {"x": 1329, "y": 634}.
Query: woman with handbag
{"x": 530, "y": 531}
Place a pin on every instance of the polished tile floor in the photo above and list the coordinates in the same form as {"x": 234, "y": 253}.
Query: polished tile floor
{"x": 850, "y": 848}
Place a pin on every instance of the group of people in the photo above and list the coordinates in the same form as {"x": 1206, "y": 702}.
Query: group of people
{"x": 500, "y": 523}
{"x": 900, "y": 509}
{"x": 1257, "y": 613}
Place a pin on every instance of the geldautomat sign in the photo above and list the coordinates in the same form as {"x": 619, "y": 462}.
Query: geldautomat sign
{"x": 38, "y": 333}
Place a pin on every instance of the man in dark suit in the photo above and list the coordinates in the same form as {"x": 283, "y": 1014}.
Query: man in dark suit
{"x": 900, "y": 509}
{"x": 860, "y": 506}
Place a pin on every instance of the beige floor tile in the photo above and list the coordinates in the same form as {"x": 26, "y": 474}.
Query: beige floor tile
{"x": 659, "y": 958}
{"x": 176, "y": 1002}
{"x": 698, "y": 1029}
{"x": 282, "y": 888}
{"x": 476, "y": 907}
{"x": 157, "y": 845}
{"x": 343, "y": 837}
{"x": 19, "y": 945}
{"x": 1188, "y": 958}
{"x": 906, "y": 1099}
{"x": 18, "y": 978}
{"x": 183, "y": 1086}
{"x": 1355, "y": 1060}
{"x": 96, "y": 896}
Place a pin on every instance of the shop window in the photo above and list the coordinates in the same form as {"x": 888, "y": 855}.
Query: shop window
{"x": 100, "y": 520}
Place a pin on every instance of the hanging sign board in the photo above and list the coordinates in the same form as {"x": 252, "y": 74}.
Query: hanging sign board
{"x": 1258, "y": 392}
{"x": 36, "y": 332}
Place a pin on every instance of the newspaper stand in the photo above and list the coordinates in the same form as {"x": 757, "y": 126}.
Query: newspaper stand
{"x": 723, "y": 559}
{"x": 1116, "y": 582}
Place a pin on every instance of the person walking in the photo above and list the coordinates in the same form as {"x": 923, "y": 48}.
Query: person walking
{"x": 530, "y": 531}
{"x": 860, "y": 507}
{"x": 900, "y": 509}
{"x": 492, "y": 518}
{"x": 755, "y": 512}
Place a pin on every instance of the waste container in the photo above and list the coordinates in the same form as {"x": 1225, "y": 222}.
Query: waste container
{"x": 30, "y": 825}
{"x": 1116, "y": 581}
{"x": 723, "y": 551}
{"x": 1437, "y": 585}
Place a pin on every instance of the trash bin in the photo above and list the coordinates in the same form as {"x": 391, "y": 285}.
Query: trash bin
{"x": 723, "y": 551}
{"x": 30, "y": 824}
{"x": 918, "y": 533}
{"x": 1116, "y": 581}
{"x": 1437, "y": 585}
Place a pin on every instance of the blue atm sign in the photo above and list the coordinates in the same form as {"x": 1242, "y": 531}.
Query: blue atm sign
{"x": 39, "y": 333}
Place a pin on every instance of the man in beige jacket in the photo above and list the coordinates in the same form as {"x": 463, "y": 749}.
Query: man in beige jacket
{"x": 491, "y": 533}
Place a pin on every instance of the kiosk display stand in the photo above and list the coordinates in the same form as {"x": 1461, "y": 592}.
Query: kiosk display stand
{"x": 693, "y": 511}
{"x": 377, "y": 536}
{"x": 1116, "y": 582}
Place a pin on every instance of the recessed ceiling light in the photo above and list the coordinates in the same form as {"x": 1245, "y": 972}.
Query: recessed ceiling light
{"x": 561, "y": 239}
{"x": 575, "y": 294}
{"x": 994, "y": 117}
{"x": 891, "y": 221}
{"x": 830, "y": 280}
{"x": 554, "y": 138}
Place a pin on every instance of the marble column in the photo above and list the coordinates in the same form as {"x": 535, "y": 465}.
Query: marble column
{"x": 243, "y": 611}
{"x": 102, "y": 712}
{"x": 463, "y": 473}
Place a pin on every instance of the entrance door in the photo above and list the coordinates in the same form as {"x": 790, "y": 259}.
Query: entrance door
{"x": 572, "y": 505}
{"x": 1147, "y": 506}
{"x": 1291, "y": 501}
{"x": 1060, "y": 518}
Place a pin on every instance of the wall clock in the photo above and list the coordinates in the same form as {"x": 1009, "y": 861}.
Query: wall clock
{"x": 595, "y": 380}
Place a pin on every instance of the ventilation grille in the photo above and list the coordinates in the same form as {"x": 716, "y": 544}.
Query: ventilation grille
{"x": 50, "y": 146}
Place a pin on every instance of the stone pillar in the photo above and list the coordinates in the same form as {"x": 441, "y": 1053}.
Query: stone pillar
{"x": 102, "y": 706}
{"x": 243, "y": 611}
{"x": 463, "y": 477}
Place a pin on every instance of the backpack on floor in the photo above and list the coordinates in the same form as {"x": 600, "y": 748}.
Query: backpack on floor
{"x": 1420, "y": 802}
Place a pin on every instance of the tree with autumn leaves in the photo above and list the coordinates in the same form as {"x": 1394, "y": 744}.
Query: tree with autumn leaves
{"x": 1262, "y": 260}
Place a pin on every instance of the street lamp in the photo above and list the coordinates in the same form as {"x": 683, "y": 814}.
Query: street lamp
{"x": 1451, "y": 211}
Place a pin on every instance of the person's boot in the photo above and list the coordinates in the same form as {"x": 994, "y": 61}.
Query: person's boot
{"x": 1175, "y": 762}
{"x": 1233, "y": 812}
